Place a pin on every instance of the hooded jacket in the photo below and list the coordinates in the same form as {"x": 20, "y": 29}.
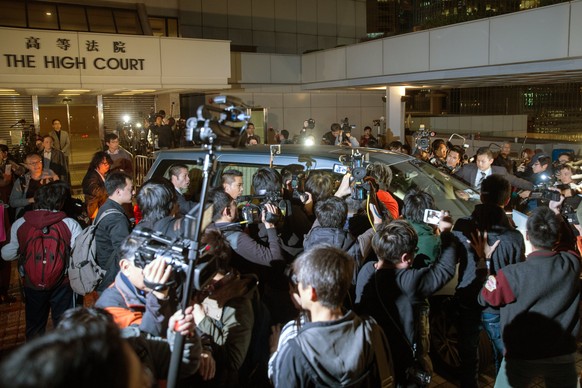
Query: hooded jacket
{"x": 41, "y": 218}
{"x": 333, "y": 354}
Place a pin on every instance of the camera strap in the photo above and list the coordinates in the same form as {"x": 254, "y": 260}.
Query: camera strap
{"x": 158, "y": 286}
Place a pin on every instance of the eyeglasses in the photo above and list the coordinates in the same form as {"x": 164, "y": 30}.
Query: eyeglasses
{"x": 34, "y": 163}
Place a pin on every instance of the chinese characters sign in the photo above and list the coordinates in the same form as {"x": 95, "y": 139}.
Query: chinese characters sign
{"x": 32, "y": 43}
{"x": 47, "y": 59}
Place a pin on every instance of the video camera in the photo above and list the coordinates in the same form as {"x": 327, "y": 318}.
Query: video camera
{"x": 252, "y": 212}
{"x": 175, "y": 253}
{"x": 569, "y": 213}
{"x": 221, "y": 121}
{"x": 355, "y": 164}
{"x": 542, "y": 191}
{"x": 422, "y": 138}
{"x": 346, "y": 127}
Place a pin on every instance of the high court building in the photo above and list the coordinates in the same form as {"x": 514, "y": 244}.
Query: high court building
{"x": 493, "y": 68}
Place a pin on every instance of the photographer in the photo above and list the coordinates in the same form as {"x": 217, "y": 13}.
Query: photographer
{"x": 249, "y": 253}
{"x": 318, "y": 186}
{"x": 570, "y": 190}
{"x": 292, "y": 222}
{"x": 540, "y": 178}
{"x": 331, "y": 215}
{"x": 388, "y": 289}
{"x": 131, "y": 299}
{"x": 229, "y": 313}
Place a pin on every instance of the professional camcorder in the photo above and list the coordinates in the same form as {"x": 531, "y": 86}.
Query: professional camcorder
{"x": 221, "y": 121}
{"x": 355, "y": 164}
{"x": 422, "y": 138}
{"x": 542, "y": 191}
{"x": 252, "y": 212}
{"x": 346, "y": 127}
{"x": 175, "y": 253}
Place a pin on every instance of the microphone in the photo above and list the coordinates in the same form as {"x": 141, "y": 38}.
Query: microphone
{"x": 21, "y": 121}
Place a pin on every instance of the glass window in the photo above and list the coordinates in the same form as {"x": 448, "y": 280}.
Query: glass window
{"x": 42, "y": 15}
{"x": 158, "y": 26}
{"x": 173, "y": 30}
{"x": 127, "y": 22}
{"x": 72, "y": 18}
{"x": 13, "y": 13}
{"x": 162, "y": 26}
{"x": 100, "y": 20}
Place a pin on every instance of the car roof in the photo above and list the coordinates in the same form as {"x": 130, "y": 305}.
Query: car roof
{"x": 322, "y": 156}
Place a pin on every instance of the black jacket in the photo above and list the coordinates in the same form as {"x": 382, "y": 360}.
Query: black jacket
{"x": 394, "y": 291}
{"x": 511, "y": 250}
{"x": 109, "y": 234}
{"x": 539, "y": 301}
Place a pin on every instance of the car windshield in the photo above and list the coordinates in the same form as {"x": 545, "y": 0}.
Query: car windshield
{"x": 446, "y": 190}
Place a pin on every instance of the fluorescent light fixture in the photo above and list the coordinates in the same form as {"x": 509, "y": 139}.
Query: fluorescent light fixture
{"x": 76, "y": 90}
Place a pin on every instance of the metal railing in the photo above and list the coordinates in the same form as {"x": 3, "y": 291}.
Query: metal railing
{"x": 142, "y": 165}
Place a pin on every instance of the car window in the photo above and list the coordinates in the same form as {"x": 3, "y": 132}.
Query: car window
{"x": 445, "y": 189}
{"x": 248, "y": 170}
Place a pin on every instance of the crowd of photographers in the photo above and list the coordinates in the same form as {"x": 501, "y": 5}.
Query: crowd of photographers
{"x": 320, "y": 282}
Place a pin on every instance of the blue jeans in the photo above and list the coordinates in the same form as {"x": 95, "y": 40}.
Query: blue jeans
{"x": 558, "y": 372}
{"x": 492, "y": 325}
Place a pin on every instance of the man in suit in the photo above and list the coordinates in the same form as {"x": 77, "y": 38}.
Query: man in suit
{"x": 61, "y": 139}
{"x": 53, "y": 159}
{"x": 180, "y": 178}
{"x": 475, "y": 174}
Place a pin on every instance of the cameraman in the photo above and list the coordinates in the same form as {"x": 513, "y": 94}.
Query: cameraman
{"x": 338, "y": 137}
{"x": 131, "y": 300}
{"x": 248, "y": 253}
{"x": 293, "y": 222}
{"x": 541, "y": 176}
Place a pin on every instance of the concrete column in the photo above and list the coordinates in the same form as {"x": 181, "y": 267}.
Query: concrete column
{"x": 395, "y": 112}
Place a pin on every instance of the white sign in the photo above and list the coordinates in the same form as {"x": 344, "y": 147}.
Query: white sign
{"x": 34, "y": 57}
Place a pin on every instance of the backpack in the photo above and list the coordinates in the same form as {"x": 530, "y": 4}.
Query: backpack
{"x": 84, "y": 272}
{"x": 44, "y": 254}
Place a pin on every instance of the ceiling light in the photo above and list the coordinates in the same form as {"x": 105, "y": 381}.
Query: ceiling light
{"x": 48, "y": 13}
{"x": 76, "y": 90}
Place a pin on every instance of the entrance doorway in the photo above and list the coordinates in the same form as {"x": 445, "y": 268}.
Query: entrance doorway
{"x": 82, "y": 123}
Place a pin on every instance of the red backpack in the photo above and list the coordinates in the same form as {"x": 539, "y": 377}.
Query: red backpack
{"x": 44, "y": 253}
